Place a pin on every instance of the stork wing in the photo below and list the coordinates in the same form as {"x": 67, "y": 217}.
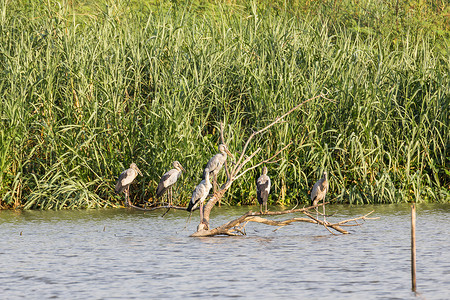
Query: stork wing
{"x": 215, "y": 163}
{"x": 316, "y": 190}
{"x": 169, "y": 178}
{"x": 200, "y": 193}
{"x": 125, "y": 178}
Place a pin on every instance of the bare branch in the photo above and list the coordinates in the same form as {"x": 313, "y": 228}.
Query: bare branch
{"x": 277, "y": 120}
{"x": 264, "y": 161}
{"x": 238, "y": 168}
{"x": 359, "y": 218}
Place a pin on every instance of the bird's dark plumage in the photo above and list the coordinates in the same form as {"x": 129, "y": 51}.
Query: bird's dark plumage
{"x": 263, "y": 188}
{"x": 161, "y": 189}
{"x": 191, "y": 206}
{"x": 319, "y": 189}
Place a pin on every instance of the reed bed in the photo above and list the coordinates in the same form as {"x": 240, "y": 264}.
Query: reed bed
{"x": 83, "y": 97}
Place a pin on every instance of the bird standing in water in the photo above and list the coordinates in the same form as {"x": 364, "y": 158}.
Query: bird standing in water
{"x": 263, "y": 189}
{"x": 125, "y": 179}
{"x": 168, "y": 180}
{"x": 319, "y": 192}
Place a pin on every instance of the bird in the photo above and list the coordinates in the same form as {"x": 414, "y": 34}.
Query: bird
{"x": 168, "y": 180}
{"x": 319, "y": 192}
{"x": 263, "y": 189}
{"x": 216, "y": 162}
{"x": 199, "y": 194}
{"x": 125, "y": 179}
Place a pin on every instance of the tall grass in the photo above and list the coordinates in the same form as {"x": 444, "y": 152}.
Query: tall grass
{"x": 82, "y": 98}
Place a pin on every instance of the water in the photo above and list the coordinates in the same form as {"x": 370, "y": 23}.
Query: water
{"x": 120, "y": 253}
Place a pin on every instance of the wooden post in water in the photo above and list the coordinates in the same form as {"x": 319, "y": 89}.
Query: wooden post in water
{"x": 413, "y": 247}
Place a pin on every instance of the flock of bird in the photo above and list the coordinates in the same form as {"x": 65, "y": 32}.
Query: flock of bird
{"x": 202, "y": 190}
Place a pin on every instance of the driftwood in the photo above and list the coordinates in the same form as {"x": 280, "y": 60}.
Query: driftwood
{"x": 168, "y": 206}
{"x": 237, "y": 226}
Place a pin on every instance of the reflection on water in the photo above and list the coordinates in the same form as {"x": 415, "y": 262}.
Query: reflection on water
{"x": 96, "y": 254}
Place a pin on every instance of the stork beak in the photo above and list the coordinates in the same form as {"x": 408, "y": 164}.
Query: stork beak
{"x": 229, "y": 153}
{"x": 139, "y": 171}
{"x": 182, "y": 169}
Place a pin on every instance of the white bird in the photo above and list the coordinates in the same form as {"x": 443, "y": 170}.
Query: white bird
{"x": 199, "y": 194}
{"x": 125, "y": 179}
{"x": 319, "y": 192}
{"x": 263, "y": 189}
{"x": 216, "y": 162}
{"x": 168, "y": 180}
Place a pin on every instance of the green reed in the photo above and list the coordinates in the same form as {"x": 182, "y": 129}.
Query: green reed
{"x": 83, "y": 97}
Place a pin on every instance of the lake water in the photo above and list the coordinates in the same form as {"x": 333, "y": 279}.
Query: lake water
{"x": 128, "y": 254}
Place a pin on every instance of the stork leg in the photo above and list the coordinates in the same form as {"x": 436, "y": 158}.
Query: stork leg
{"x": 265, "y": 206}
{"x": 215, "y": 186}
{"x": 215, "y": 182}
{"x": 324, "y": 217}
{"x": 170, "y": 196}
{"x": 260, "y": 208}
{"x": 201, "y": 212}
{"x": 317, "y": 211}
{"x": 127, "y": 196}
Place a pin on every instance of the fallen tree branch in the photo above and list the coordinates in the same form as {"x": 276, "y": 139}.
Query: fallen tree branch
{"x": 232, "y": 227}
{"x": 158, "y": 207}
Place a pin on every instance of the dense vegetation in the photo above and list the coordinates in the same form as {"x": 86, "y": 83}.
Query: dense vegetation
{"x": 87, "y": 88}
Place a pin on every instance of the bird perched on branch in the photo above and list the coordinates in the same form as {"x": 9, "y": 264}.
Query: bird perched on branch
{"x": 199, "y": 194}
{"x": 125, "y": 179}
{"x": 168, "y": 180}
{"x": 319, "y": 192}
{"x": 216, "y": 162}
{"x": 263, "y": 189}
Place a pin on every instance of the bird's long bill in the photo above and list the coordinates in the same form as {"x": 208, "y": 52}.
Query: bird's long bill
{"x": 183, "y": 169}
{"x": 139, "y": 171}
{"x": 229, "y": 153}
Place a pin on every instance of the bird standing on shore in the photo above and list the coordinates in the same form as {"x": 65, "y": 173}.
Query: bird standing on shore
{"x": 263, "y": 189}
{"x": 125, "y": 179}
{"x": 199, "y": 194}
{"x": 319, "y": 192}
{"x": 216, "y": 162}
{"x": 168, "y": 180}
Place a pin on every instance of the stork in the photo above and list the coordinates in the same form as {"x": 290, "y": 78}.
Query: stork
{"x": 319, "y": 192}
{"x": 125, "y": 179}
{"x": 263, "y": 189}
{"x": 199, "y": 194}
{"x": 216, "y": 162}
{"x": 168, "y": 180}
